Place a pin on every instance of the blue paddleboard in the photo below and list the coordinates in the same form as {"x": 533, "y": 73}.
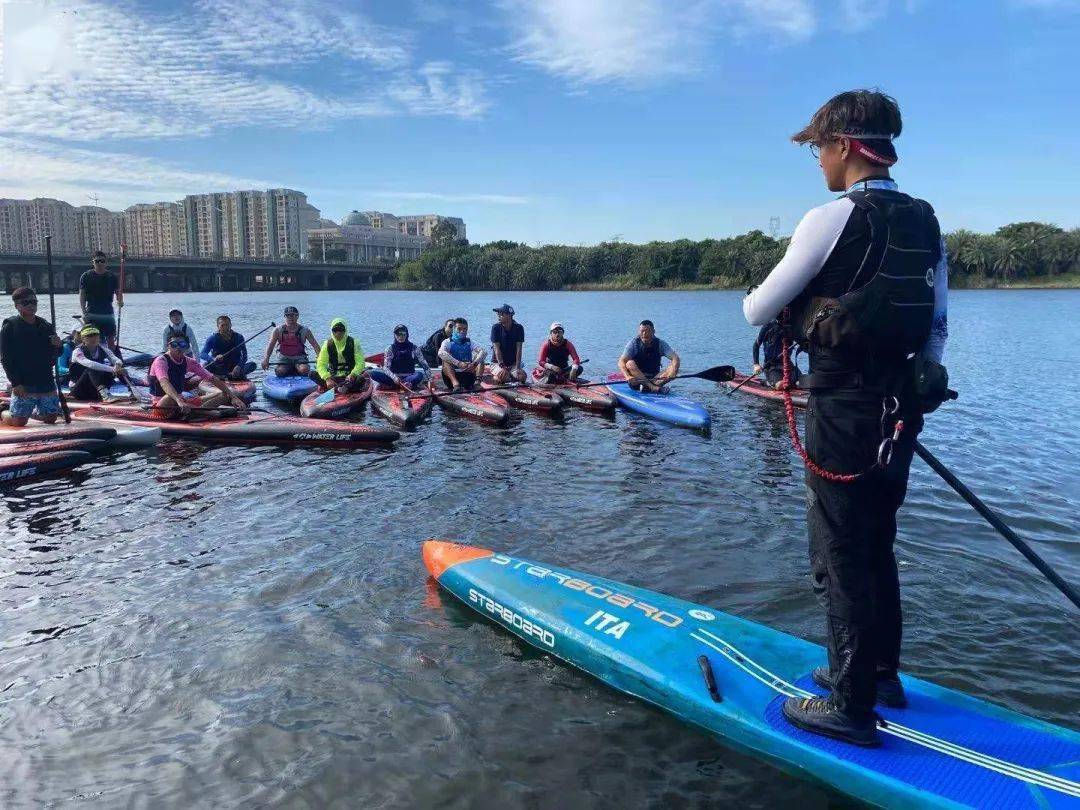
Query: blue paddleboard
{"x": 288, "y": 389}
{"x": 946, "y": 749}
{"x": 666, "y": 407}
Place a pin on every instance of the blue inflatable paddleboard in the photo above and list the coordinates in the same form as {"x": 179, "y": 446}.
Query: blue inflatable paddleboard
{"x": 288, "y": 389}
{"x": 946, "y": 749}
{"x": 666, "y": 407}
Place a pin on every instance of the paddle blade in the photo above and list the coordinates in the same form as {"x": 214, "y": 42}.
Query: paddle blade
{"x": 374, "y": 359}
{"x": 718, "y": 374}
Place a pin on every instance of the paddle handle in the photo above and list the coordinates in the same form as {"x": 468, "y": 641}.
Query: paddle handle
{"x": 991, "y": 517}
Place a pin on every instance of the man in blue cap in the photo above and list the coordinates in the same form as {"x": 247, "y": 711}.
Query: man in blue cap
{"x": 507, "y": 338}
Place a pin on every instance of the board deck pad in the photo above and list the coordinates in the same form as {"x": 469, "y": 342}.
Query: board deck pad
{"x": 947, "y": 749}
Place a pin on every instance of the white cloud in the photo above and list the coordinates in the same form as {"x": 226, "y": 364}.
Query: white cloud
{"x": 37, "y": 168}
{"x": 300, "y": 31}
{"x": 639, "y": 41}
{"x": 858, "y": 15}
{"x": 89, "y": 71}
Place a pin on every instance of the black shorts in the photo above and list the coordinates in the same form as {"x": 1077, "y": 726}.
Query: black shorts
{"x": 104, "y": 321}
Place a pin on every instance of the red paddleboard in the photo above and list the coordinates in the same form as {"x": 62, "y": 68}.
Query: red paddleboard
{"x": 330, "y": 404}
{"x": 477, "y": 405}
{"x": 763, "y": 391}
{"x": 407, "y": 410}
{"x": 59, "y": 446}
{"x": 20, "y": 468}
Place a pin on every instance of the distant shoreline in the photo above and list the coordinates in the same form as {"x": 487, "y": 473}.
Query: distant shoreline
{"x": 1067, "y": 281}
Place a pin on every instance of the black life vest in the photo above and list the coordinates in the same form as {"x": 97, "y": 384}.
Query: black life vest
{"x": 861, "y": 324}
{"x": 177, "y": 375}
{"x": 339, "y": 367}
{"x": 647, "y": 357}
{"x": 401, "y": 357}
{"x": 76, "y": 371}
{"x": 559, "y": 355}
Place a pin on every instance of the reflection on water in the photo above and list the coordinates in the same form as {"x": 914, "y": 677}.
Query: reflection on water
{"x": 208, "y": 625}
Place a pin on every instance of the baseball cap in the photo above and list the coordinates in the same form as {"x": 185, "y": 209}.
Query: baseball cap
{"x": 555, "y": 326}
{"x": 89, "y": 329}
{"x": 509, "y": 310}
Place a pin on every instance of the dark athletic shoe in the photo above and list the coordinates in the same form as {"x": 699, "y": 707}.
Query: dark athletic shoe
{"x": 820, "y": 716}
{"x": 890, "y": 692}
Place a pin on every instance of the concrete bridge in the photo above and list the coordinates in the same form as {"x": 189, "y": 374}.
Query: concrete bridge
{"x": 183, "y": 274}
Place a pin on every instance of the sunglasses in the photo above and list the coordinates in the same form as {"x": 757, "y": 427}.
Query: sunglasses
{"x": 338, "y": 329}
{"x": 99, "y": 261}
{"x": 292, "y": 314}
{"x": 27, "y": 302}
{"x": 173, "y": 344}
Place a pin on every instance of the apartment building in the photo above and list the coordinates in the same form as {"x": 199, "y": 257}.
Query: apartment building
{"x": 98, "y": 228}
{"x": 157, "y": 229}
{"x": 24, "y": 224}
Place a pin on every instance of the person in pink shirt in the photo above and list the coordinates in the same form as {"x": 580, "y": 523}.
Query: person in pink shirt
{"x": 167, "y": 375}
{"x": 555, "y": 357}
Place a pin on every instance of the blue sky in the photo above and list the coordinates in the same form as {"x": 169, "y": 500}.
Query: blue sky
{"x": 567, "y": 121}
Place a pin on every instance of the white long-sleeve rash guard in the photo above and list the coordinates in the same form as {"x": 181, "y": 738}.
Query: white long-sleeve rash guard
{"x": 810, "y": 247}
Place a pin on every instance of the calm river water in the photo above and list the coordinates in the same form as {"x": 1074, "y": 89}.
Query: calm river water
{"x": 212, "y": 626}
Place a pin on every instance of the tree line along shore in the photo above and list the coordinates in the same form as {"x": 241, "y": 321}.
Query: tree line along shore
{"x": 1023, "y": 254}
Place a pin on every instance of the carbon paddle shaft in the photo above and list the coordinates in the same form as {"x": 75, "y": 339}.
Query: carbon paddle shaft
{"x": 52, "y": 316}
{"x": 992, "y": 518}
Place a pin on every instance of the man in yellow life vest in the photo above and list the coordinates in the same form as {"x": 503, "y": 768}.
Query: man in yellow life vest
{"x": 341, "y": 360}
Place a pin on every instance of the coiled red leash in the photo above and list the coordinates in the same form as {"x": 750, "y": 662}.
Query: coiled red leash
{"x": 885, "y": 449}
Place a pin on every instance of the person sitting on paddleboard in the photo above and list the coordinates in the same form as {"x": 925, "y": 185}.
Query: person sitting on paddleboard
{"x": 341, "y": 360}
{"x": 177, "y": 327}
{"x": 641, "y": 360}
{"x": 290, "y": 338}
{"x": 93, "y": 367}
{"x": 224, "y": 354}
{"x": 863, "y": 284}
{"x": 400, "y": 361}
{"x": 462, "y": 362}
{"x": 29, "y": 347}
{"x": 435, "y": 341}
{"x": 770, "y": 338}
{"x": 167, "y": 375}
{"x": 507, "y": 339}
{"x": 67, "y": 348}
{"x": 555, "y": 356}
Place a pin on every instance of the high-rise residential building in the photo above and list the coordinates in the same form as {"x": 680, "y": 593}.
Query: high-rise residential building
{"x": 157, "y": 229}
{"x": 98, "y": 228}
{"x": 14, "y": 224}
{"x": 424, "y": 224}
{"x": 24, "y": 224}
{"x": 249, "y": 224}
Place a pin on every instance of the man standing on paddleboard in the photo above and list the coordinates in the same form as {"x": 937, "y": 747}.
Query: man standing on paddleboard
{"x": 97, "y": 288}
{"x": 863, "y": 288}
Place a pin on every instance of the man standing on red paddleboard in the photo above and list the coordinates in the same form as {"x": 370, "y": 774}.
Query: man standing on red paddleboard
{"x": 863, "y": 288}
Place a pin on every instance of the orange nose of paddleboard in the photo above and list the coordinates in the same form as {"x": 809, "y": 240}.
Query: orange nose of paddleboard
{"x": 442, "y": 554}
